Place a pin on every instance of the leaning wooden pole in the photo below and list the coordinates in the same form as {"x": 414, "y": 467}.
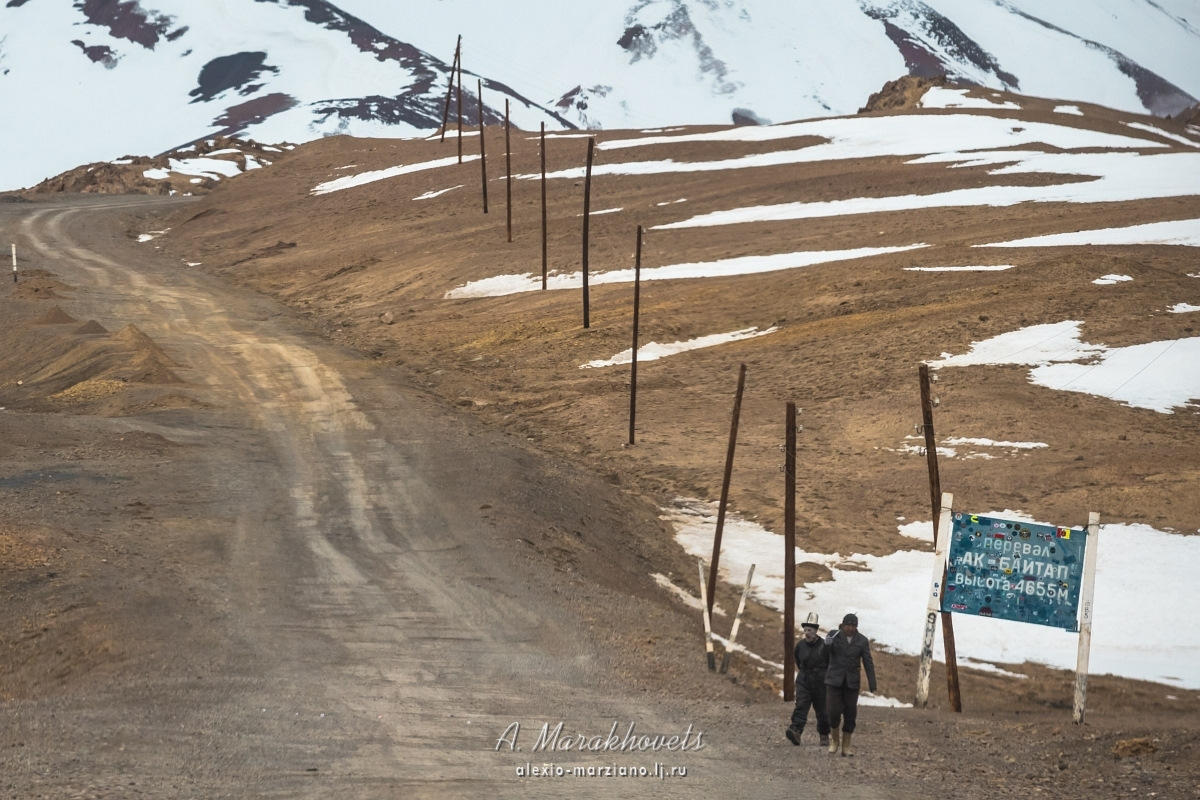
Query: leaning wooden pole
{"x": 733, "y": 430}
{"x": 545, "y": 248}
{"x": 737, "y": 623}
{"x": 706, "y": 612}
{"x": 482, "y": 150}
{"x": 507, "y": 171}
{"x": 789, "y": 555}
{"x": 935, "y": 498}
{"x": 637, "y": 304}
{"x": 587, "y": 209}
{"x": 450, "y": 88}
{"x": 458, "y": 100}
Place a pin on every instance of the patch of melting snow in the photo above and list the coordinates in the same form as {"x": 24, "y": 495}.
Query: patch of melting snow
{"x": 1068, "y": 110}
{"x": 362, "y": 178}
{"x": 949, "y": 447}
{"x": 432, "y": 193}
{"x": 941, "y": 97}
{"x": 1109, "y": 280}
{"x": 992, "y": 443}
{"x": 868, "y": 699}
{"x": 1175, "y": 137}
{"x": 1160, "y": 376}
{"x": 603, "y": 211}
{"x": 1034, "y": 346}
{"x": 987, "y": 666}
{"x": 501, "y": 285}
{"x": 1178, "y": 232}
{"x": 1108, "y": 177}
{"x": 1183, "y": 308}
{"x": 919, "y": 450}
{"x": 214, "y": 168}
{"x": 889, "y": 594}
{"x": 993, "y": 268}
{"x": 654, "y": 351}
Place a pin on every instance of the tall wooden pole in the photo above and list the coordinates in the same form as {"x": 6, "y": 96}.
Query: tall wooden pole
{"x": 459, "y": 104}
{"x": 545, "y": 249}
{"x": 637, "y": 301}
{"x": 587, "y": 209}
{"x": 789, "y": 556}
{"x": 733, "y": 430}
{"x": 935, "y": 498}
{"x": 450, "y": 88}
{"x": 507, "y": 171}
{"x": 482, "y": 150}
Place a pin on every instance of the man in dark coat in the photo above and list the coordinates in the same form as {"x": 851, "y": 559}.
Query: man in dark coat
{"x": 847, "y": 649}
{"x": 812, "y": 661}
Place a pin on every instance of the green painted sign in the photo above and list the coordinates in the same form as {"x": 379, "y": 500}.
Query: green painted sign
{"x": 1014, "y": 570}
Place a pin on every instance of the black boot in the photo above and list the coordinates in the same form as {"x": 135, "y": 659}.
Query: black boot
{"x": 793, "y": 734}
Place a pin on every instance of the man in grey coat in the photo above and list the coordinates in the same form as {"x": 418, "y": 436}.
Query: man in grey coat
{"x": 847, "y": 649}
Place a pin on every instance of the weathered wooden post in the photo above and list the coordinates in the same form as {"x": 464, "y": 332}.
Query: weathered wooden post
{"x": 482, "y": 150}
{"x": 937, "y": 585}
{"x": 637, "y": 297}
{"x": 935, "y": 496}
{"x": 789, "y": 556}
{"x": 733, "y": 430}
{"x": 507, "y": 171}
{"x": 450, "y": 88}
{"x": 1086, "y": 590}
{"x": 587, "y": 209}
{"x": 459, "y": 104}
{"x": 545, "y": 249}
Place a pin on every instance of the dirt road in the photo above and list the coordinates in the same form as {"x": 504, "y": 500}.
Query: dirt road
{"x": 279, "y": 570}
{"x": 358, "y": 625}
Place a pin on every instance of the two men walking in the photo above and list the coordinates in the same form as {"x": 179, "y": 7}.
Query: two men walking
{"x": 828, "y": 680}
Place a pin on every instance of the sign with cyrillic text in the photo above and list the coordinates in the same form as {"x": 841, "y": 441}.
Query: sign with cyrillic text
{"x": 1013, "y": 570}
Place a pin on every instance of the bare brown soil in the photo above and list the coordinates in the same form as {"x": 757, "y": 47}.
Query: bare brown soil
{"x": 130, "y": 545}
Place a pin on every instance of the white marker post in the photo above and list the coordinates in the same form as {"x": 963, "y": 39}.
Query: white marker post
{"x": 708, "y": 640}
{"x": 940, "y": 553}
{"x": 1085, "y": 620}
{"x": 14, "y": 252}
{"x": 737, "y": 622}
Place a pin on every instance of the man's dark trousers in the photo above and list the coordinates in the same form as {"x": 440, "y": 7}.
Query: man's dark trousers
{"x": 810, "y": 691}
{"x": 843, "y": 700}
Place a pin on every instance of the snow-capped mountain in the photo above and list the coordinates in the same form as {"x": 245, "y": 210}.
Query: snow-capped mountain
{"x": 92, "y": 80}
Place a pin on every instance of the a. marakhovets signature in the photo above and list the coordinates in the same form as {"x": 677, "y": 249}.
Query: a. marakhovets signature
{"x": 555, "y": 739}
